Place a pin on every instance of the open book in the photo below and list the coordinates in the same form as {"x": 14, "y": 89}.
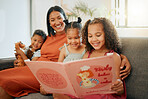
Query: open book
{"x": 77, "y": 78}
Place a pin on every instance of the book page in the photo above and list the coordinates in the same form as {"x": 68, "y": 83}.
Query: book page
{"x": 92, "y": 76}
{"x": 52, "y": 76}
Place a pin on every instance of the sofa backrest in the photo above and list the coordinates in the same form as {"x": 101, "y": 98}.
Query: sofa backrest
{"x": 136, "y": 50}
{"x": 6, "y": 63}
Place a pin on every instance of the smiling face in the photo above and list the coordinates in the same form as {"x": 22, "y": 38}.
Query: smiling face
{"x": 56, "y": 22}
{"x": 96, "y": 36}
{"x": 36, "y": 42}
{"x": 73, "y": 38}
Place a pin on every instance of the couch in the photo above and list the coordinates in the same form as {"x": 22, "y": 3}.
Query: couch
{"x": 136, "y": 50}
{"x": 6, "y": 63}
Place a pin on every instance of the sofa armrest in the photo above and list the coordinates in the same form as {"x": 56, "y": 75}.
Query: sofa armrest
{"x": 6, "y": 63}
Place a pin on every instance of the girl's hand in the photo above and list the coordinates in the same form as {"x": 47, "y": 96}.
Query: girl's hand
{"x": 42, "y": 91}
{"x": 118, "y": 87}
{"x": 124, "y": 63}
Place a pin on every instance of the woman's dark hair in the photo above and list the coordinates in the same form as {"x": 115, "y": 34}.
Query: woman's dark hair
{"x": 74, "y": 24}
{"x": 111, "y": 39}
{"x": 40, "y": 33}
{"x": 54, "y": 8}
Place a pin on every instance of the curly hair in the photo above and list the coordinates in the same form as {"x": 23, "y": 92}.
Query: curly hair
{"x": 112, "y": 41}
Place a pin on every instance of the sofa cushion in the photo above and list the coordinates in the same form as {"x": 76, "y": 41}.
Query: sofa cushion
{"x": 136, "y": 50}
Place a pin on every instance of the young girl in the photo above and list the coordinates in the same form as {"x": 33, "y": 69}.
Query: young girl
{"x": 100, "y": 38}
{"x": 33, "y": 51}
{"x": 75, "y": 49}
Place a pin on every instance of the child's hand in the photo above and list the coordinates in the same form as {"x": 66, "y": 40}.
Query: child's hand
{"x": 19, "y": 45}
{"x": 42, "y": 91}
{"x": 18, "y": 51}
{"x": 17, "y": 63}
{"x": 118, "y": 87}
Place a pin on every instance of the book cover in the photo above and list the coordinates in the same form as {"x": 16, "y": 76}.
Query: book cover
{"x": 77, "y": 78}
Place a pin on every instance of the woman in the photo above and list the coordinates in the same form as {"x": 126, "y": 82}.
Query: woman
{"x": 20, "y": 81}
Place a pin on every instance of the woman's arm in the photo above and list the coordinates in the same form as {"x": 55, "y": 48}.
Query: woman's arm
{"x": 35, "y": 58}
{"x": 124, "y": 64}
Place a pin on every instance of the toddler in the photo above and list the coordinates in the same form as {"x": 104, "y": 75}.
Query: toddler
{"x": 31, "y": 52}
{"x": 74, "y": 50}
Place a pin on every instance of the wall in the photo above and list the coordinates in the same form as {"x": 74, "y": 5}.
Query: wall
{"x": 15, "y": 20}
{"x": 14, "y": 25}
{"x": 40, "y": 8}
{"x": 103, "y": 6}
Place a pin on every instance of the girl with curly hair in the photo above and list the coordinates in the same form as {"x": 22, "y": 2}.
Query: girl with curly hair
{"x": 100, "y": 37}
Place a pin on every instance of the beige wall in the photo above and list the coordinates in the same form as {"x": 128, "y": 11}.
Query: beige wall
{"x": 40, "y": 8}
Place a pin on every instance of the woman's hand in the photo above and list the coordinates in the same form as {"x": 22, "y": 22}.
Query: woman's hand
{"x": 118, "y": 87}
{"x": 124, "y": 63}
{"x": 42, "y": 91}
{"x": 60, "y": 96}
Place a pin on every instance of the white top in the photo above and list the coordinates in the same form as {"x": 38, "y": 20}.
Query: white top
{"x": 35, "y": 54}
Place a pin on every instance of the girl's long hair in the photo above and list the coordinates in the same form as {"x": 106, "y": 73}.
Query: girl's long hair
{"x": 112, "y": 41}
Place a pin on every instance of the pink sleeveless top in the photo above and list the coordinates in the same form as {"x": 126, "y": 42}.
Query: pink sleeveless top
{"x": 89, "y": 53}
{"x": 106, "y": 96}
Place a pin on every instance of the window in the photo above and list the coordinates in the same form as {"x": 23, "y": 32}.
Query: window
{"x": 130, "y": 13}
